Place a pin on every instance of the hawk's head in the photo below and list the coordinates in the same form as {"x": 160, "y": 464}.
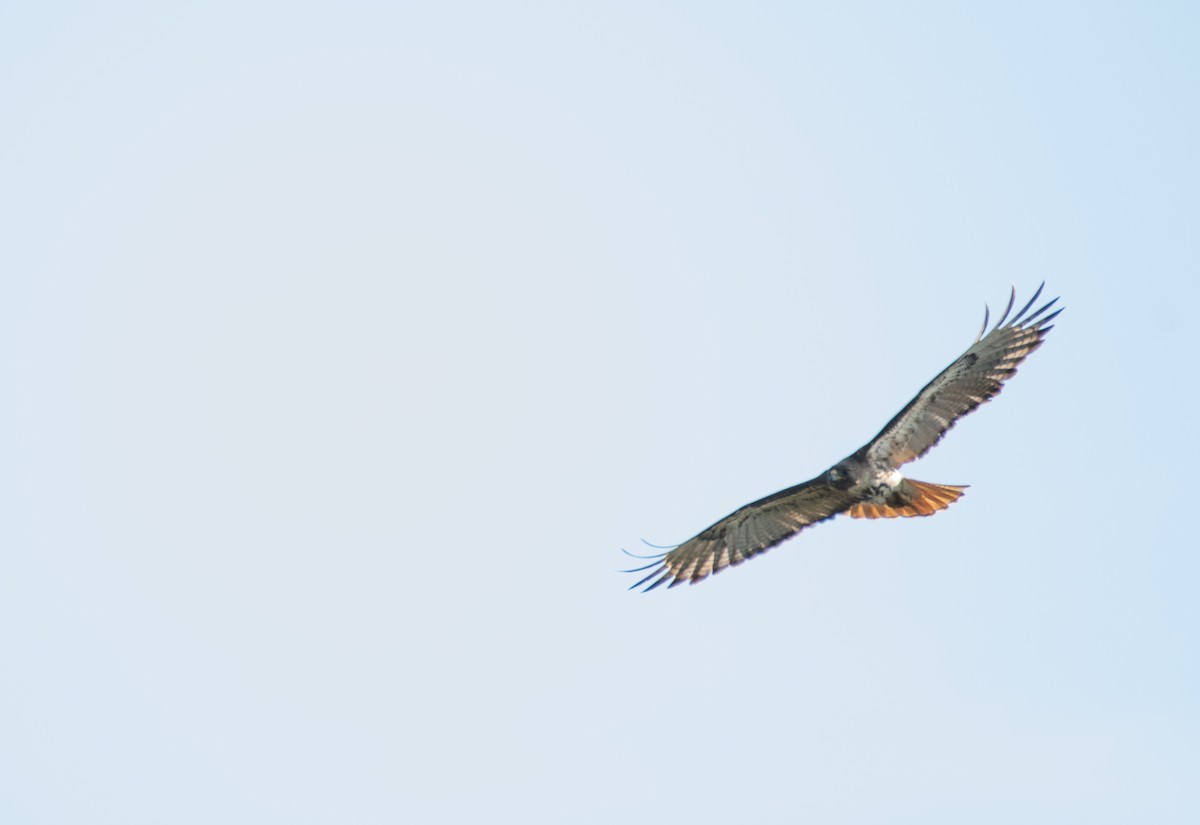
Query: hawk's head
{"x": 840, "y": 476}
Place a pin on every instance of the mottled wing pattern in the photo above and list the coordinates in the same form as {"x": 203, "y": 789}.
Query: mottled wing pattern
{"x": 751, "y": 530}
{"x": 975, "y": 377}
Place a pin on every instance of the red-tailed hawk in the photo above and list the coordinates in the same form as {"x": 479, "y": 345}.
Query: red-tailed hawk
{"x": 867, "y": 484}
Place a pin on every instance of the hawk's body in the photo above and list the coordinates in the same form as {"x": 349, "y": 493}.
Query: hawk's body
{"x": 868, "y": 484}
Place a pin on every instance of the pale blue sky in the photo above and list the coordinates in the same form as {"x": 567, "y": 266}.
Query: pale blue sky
{"x": 346, "y": 344}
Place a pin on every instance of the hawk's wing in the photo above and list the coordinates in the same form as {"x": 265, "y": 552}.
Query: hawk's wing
{"x": 751, "y": 530}
{"x": 977, "y": 375}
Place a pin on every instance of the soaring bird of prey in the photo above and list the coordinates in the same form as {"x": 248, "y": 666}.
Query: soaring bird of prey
{"x": 868, "y": 484}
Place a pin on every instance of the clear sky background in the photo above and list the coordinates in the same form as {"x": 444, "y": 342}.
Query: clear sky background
{"x": 344, "y": 345}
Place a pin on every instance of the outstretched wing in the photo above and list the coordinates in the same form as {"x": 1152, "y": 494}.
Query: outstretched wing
{"x": 751, "y": 530}
{"x": 977, "y": 375}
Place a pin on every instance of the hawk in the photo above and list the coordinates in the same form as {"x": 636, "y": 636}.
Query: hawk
{"x": 868, "y": 484}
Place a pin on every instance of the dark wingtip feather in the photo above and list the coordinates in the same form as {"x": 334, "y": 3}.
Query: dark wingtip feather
{"x": 1011, "y": 300}
{"x": 986, "y": 316}
{"x": 1042, "y": 323}
{"x": 636, "y": 556}
{"x": 647, "y": 578}
{"x": 643, "y": 567}
{"x": 660, "y": 580}
{"x": 1017, "y": 318}
{"x": 658, "y": 546}
{"x": 1044, "y": 307}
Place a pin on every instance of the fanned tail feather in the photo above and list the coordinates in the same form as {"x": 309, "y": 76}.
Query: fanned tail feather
{"x": 913, "y": 498}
